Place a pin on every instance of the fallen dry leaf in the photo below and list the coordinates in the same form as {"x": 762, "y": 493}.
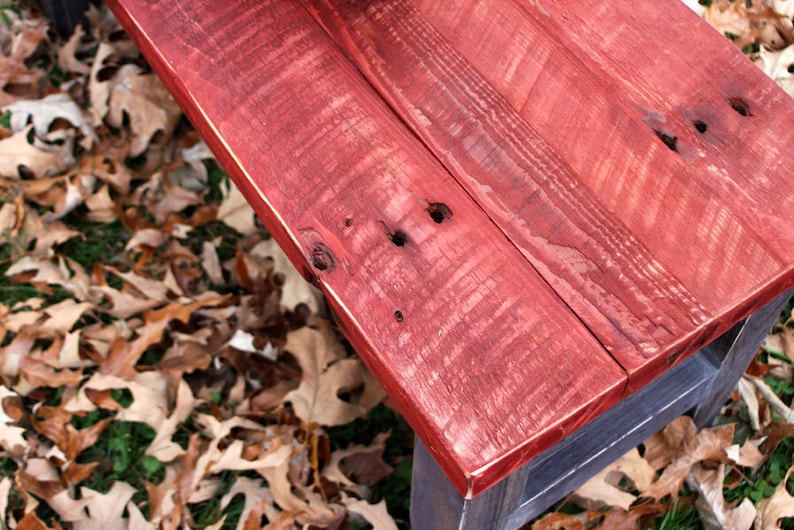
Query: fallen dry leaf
{"x": 13, "y": 71}
{"x": 771, "y": 510}
{"x": 235, "y": 211}
{"x": 163, "y": 447}
{"x": 106, "y": 511}
{"x": 17, "y": 152}
{"x": 603, "y": 489}
{"x": 678, "y": 447}
{"x": 558, "y": 521}
{"x": 779, "y": 65}
{"x": 43, "y": 112}
{"x": 374, "y": 514}
{"x": 714, "y": 512}
{"x": 12, "y": 437}
{"x": 124, "y": 354}
{"x": 326, "y": 374}
{"x": 309, "y": 508}
{"x": 67, "y": 53}
{"x": 145, "y": 101}
{"x": 258, "y": 501}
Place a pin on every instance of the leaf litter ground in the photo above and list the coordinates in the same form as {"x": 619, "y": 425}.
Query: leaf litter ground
{"x": 164, "y": 366}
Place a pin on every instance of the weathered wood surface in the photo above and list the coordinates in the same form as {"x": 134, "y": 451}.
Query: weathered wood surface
{"x": 518, "y": 217}
{"x": 559, "y": 128}
{"x": 486, "y": 362}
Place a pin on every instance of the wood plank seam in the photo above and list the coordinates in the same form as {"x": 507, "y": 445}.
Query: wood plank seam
{"x": 489, "y": 454}
{"x": 396, "y": 29}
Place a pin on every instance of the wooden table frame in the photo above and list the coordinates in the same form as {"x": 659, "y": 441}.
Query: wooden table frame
{"x": 699, "y": 385}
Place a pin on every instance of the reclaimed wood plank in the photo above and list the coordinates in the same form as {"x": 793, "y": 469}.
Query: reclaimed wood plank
{"x": 584, "y": 184}
{"x": 730, "y": 126}
{"x": 486, "y": 362}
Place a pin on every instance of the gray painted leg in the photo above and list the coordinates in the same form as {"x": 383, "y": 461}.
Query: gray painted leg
{"x": 437, "y": 505}
{"x": 734, "y": 351}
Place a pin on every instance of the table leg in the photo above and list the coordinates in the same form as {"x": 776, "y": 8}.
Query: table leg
{"x": 437, "y": 505}
{"x": 733, "y": 352}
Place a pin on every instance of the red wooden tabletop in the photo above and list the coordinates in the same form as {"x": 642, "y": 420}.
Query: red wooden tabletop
{"x": 520, "y": 210}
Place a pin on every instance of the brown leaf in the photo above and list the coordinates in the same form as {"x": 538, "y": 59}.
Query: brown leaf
{"x": 67, "y": 508}
{"x": 124, "y": 354}
{"x": 775, "y": 433}
{"x": 679, "y": 447}
{"x": 359, "y": 464}
{"x": 38, "y": 373}
{"x": 374, "y": 514}
{"x": 31, "y": 522}
{"x": 771, "y": 510}
{"x": 558, "y": 521}
{"x": 16, "y": 151}
{"x": 310, "y": 507}
{"x": 617, "y": 519}
{"x": 43, "y": 112}
{"x": 235, "y": 211}
{"x": 58, "y": 318}
{"x": 13, "y": 71}
{"x": 66, "y": 53}
{"x": 145, "y": 101}
{"x": 149, "y": 397}
{"x": 40, "y": 477}
{"x": 106, "y": 511}
{"x": 714, "y": 512}
{"x": 163, "y": 447}
{"x": 326, "y": 374}
{"x": 747, "y": 455}
{"x": 257, "y": 500}
{"x": 603, "y": 490}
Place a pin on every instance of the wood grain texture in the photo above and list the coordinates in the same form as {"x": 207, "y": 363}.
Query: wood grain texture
{"x": 486, "y": 362}
{"x": 597, "y": 188}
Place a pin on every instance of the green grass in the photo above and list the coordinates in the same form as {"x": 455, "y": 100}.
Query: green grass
{"x": 101, "y": 243}
{"x": 681, "y": 517}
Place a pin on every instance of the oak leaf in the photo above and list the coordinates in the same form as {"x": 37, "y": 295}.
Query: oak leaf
{"x": 236, "y": 212}
{"x": 106, "y": 511}
{"x": 784, "y": 7}
{"x": 55, "y": 319}
{"x": 66, "y": 53}
{"x": 124, "y": 354}
{"x": 715, "y": 513}
{"x": 16, "y": 152}
{"x": 778, "y": 66}
{"x": 13, "y": 71}
{"x": 326, "y": 374}
{"x": 309, "y": 508}
{"x": 771, "y": 510}
{"x": 678, "y": 447}
{"x": 11, "y": 436}
{"x": 296, "y": 290}
{"x": 603, "y": 490}
{"x": 43, "y": 112}
{"x": 559, "y": 521}
{"x": 145, "y": 101}
{"x": 258, "y": 501}
{"x": 163, "y": 447}
{"x": 374, "y": 514}
{"x": 364, "y": 464}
